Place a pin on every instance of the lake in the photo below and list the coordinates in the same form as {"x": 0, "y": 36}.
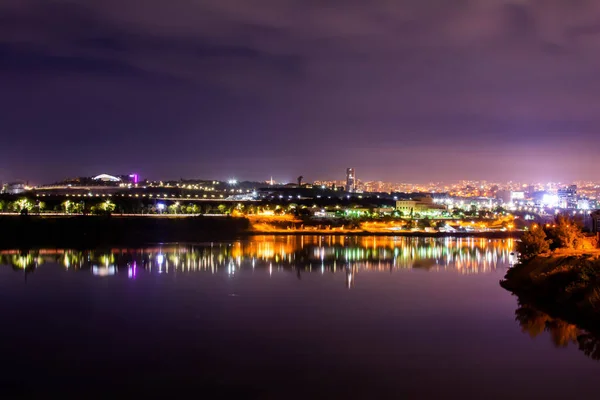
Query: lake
{"x": 288, "y": 317}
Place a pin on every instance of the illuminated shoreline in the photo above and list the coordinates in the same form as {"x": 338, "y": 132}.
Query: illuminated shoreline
{"x": 308, "y": 232}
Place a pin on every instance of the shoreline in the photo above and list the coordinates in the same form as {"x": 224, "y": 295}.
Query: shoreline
{"x": 565, "y": 285}
{"x": 96, "y": 231}
{"x": 484, "y": 235}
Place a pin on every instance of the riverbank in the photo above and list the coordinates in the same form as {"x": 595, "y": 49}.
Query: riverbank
{"x": 563, "y": 284}
{"x": 92, "y": 231}
{"x": 323, "y": 232}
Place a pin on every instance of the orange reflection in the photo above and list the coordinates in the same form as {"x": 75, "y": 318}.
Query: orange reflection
{"x": 562, "y": 333}
{"x": 333, "y": 252}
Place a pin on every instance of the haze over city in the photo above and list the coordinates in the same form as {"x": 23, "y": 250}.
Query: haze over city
{"x": 403, "y": 91}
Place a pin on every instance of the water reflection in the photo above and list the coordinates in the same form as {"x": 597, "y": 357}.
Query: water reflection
{"x": 562, "y": 334}
{"x": 350, "y": 254}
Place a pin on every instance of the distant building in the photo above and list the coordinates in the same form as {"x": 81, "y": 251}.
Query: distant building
{"x": 384, "y": 210}
{"x": 15, "y": 188}
{"x": 567, "y": 197}
{"x": 350, "y": 180}
{"x": 106, "y": 178}
{"x": 322, "y": 213}
{"x": 423, "y": 206}
{"x": 517, "y": 196}
{"x": 583, "y": 204}
{"x": 595, "y": 221}
{"x": 374, "y": 186}
{"x": 504, "y": 195}
{"x": 529, "y": 190}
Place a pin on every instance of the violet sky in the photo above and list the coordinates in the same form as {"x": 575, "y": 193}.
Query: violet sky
{"x": 402, "y": 90}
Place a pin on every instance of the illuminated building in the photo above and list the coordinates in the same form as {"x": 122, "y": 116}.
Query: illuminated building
{"x": 583, "y": 204}
{"x": 106, "y": 178}
{"x": 350, "y": 180}
{"x": 567, "y": 197}
{"x": 517, "y": 196}
{"x": 15, "y": 188}
{"x": 422, "y": 206}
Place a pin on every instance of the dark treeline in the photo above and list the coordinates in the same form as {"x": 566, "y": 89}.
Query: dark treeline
{"x": 80, "y": 231}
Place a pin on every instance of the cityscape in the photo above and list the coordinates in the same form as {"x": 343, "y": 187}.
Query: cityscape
{"x": 576, "y": 195}
{"x": 286, "y": 199}
{"x": 348, "y": 203}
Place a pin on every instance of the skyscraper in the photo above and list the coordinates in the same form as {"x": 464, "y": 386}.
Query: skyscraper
{"x": 567, "y": 197}
{"x": 350, "y": 180}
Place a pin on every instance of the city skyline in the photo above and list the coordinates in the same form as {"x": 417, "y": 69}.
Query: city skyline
{"x": 296, "y": 199}
{"x": 400, "y": 91}
{"x": 341, "y": 180}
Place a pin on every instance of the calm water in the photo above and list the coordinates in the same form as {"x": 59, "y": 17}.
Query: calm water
{"x": 284, "y": 317}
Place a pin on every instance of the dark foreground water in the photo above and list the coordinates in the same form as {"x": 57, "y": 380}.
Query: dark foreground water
{"x": 283, "y": 317}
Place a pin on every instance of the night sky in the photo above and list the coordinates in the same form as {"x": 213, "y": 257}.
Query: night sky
{"x": 413, "y": 90}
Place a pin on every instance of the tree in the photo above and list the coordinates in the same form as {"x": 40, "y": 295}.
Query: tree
{"x": 77, "y": 208}
{"x": 192, "y": 209}
{"x": 107, "y": 206}
{"x": 566, "y": 234}
{"x": 423, "y": 223}
{"x": 533, "y": 243}
{"x": 173, "y": 208}
{"x": 67, "y": 206}
{"x": 22, "y": 205}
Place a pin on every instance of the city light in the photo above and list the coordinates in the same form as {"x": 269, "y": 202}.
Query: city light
{"x": 550, "y": 200}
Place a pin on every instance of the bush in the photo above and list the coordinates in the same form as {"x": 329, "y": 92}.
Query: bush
{"x": 533, "y": 243}
{"x": 566, "y": 234}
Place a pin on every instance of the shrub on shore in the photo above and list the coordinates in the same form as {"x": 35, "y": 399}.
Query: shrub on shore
{"x": 564, "y": 235}
{"x": 533, "y": 243}
{"x": 567, "y": 234}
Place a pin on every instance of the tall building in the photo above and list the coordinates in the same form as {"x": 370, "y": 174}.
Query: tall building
{"x": 567, "y": 197}
{"x": 350, "y": 180}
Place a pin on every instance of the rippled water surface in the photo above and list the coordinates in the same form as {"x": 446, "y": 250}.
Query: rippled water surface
{"x": 284, "y": 317}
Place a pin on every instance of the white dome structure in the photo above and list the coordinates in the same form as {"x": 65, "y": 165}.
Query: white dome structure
{"x": 106, "y": 178}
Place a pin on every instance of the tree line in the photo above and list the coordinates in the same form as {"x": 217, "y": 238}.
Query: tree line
{"x": 565, "y": 233}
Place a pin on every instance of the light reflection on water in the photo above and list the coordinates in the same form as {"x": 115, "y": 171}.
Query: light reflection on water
{"x": 351, "y": 254}
{"x": 196, "y": 316}
{"x": 535, "y": 322}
